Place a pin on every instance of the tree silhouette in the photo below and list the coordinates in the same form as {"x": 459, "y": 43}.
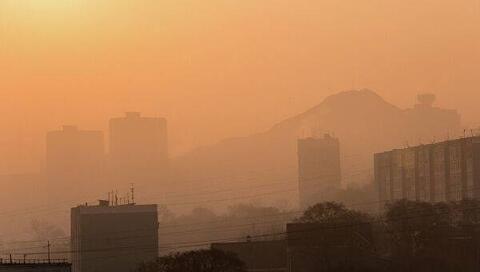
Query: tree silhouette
{"x": 196, "y": 261}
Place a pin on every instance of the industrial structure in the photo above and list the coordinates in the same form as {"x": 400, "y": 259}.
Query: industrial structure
{"x": 138, "y": 147}
{"x": 319, "y": 171}
{"x": 446, "y": 171}
{"x": 112, "y": 237}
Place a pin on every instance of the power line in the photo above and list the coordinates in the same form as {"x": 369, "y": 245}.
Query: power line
{"x": 289, "y": 180}
{"x": 320, "y": 227}
{"x": 194, "y": 231}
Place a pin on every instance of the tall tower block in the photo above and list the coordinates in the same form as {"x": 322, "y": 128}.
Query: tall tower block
{"x": 74, "y": 161}
{"x": 319, "y": 172}
{"x": 138, "y": 147}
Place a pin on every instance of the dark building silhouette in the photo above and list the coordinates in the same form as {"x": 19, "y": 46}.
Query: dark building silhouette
{"x": 446, "y": 171}
{"x": 75, "y": 159}
{"x": 267, "y": 256}
{"x": 35, "y": 266}
{"x": 313, "y": 247}
{"x": 113, "y": 238}
{"x": 138, "y": 147}
{"x": 318, "y": 169}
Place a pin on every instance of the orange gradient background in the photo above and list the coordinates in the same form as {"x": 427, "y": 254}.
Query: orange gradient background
{"x": 221, "y": 68}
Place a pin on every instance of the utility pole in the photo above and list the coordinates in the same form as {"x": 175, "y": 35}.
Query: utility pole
{"x": 48, "y": 250}
{"x": 132, "y": 191}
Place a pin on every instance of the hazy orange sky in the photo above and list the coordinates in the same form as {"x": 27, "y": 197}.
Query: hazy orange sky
{"x": 218, "y": 68}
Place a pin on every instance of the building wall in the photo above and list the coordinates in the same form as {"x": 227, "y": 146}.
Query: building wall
{"x": 319, "y": 169}
{"x": 138, "y": 146}
{"x": 116, "y": 238}
{"x": 447, "y": 171}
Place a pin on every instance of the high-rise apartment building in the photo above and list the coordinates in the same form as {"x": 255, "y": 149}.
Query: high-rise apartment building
{"x": 445, "y": 171}
{"x": 318, "y": 168}
{"x": 75, "y": 159}
{"x": 138, "y": 147}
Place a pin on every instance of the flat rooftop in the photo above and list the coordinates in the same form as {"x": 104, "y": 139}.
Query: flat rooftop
{"x": 112, "y": 209}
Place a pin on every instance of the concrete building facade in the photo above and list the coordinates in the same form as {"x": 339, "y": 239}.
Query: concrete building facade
{"x": 319, "y": 171}
{"x": 446, "y": 171}
{"x": 113, "y": 238}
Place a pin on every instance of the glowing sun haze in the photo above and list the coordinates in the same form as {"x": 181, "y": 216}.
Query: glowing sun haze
{"x": 221, "y": 68}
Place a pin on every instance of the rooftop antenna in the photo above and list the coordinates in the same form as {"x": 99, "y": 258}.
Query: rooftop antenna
{"x": 132, "y": 191}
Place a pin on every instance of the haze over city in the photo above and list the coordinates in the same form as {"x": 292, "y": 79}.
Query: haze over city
{"x": 227, "y": 111}
{"x": 222, "y": 69}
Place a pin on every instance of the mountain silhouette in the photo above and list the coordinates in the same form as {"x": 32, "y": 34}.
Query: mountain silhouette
{"x": 362, "y": 120}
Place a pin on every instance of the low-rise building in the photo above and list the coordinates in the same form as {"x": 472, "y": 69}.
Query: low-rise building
{"x": 264, "y": 256}
{"x": 113, "y": 237}
{"x": 313, "y": 247}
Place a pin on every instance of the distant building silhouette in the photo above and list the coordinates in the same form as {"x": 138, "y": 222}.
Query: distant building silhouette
{"x": 138, "y": 147}
{"x": 113, "y": 238}
{"x": 319, "y": 172}
{"x": 425, "y": 120}
{"x": 75, "y": 159}
{"x": 445, "y": 171}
